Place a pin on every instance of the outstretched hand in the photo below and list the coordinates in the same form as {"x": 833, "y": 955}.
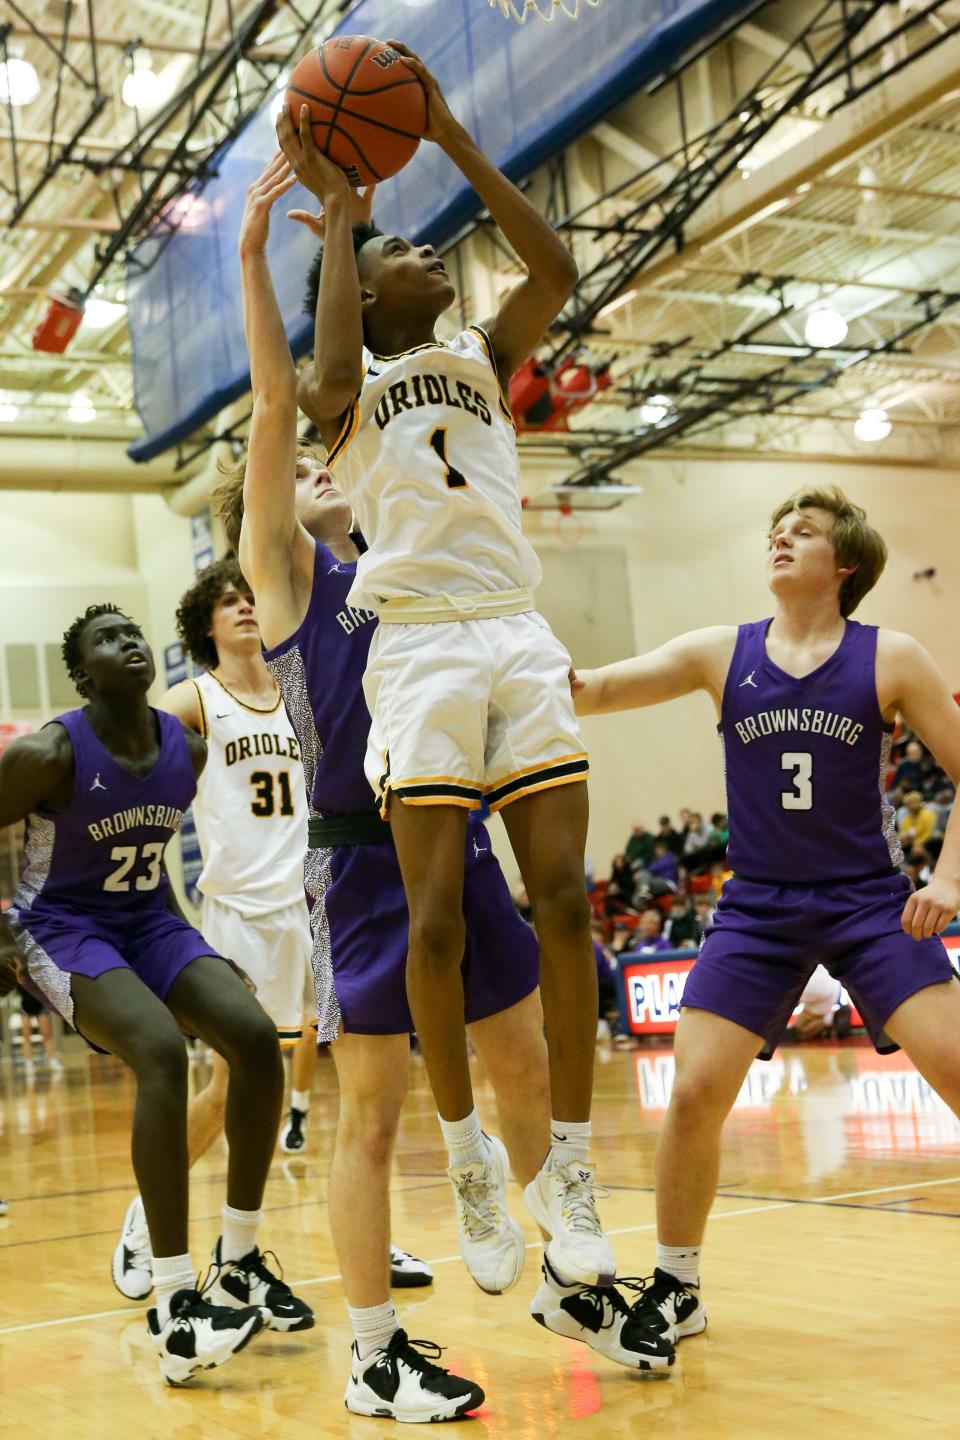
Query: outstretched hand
{"x": 929, "y": 910}
{"x": 361, "y": 205}
{"x": 312, "y": 168}
{"x": 275, "y": 181}
{"x": 440, "y": 118}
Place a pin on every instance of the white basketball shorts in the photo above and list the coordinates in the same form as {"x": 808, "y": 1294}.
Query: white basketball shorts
{"x": 467, "y": 709}
{"x": 274, "y": 950}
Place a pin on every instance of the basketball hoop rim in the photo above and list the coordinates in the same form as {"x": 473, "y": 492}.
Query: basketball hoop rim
{"x": 521, "y": 10}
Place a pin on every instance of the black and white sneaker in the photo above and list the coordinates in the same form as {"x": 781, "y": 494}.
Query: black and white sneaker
{"x": 293, "y": 1136}
{"x": 198, "y": 1335}
{"x": 667, "y": 1306}
{"x": 407, "y": 1272}
{"x": 249, "y": 1282}
{"x": 132, "y": 1266}
{"x": 600, "y": 1318}
{"x": 401, "y": 1383}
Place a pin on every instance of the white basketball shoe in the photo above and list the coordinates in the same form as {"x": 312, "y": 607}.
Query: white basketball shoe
{"x": 491, "y": 1242}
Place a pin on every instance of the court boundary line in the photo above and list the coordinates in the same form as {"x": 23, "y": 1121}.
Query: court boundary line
{"x": 824, "y": 1201}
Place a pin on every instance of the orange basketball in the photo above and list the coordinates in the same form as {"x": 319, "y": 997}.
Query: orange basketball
{"x": 368, "y": 110}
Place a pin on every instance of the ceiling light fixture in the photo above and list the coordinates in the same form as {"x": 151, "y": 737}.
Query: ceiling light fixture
{"x": 99, "y": 313}
{"x": 825, "y": 329}
{"x": 142, "y": 89}
{"x": 872, "y": 424}
{"x": 655, "y": 408}
{"x": 81, "y": 409}
{"x": 19, "y": 82}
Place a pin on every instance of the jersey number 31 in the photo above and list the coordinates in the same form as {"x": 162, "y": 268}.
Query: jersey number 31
{"x": 801, "y": 796}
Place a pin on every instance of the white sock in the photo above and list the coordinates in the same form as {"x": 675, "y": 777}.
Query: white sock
{"x": 300, "y": 1100}
{"x": 170, "y": 1274}
{"x": 239, "y": 1234}
{"x": 373, "y": 1327}
{"x": 680, "y": 1261}
{"x": 464, "y": 1139}
{"x": 569, "y": 1140}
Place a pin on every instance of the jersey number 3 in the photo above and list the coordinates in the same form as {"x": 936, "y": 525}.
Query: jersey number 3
{"x": 801, "y": 796}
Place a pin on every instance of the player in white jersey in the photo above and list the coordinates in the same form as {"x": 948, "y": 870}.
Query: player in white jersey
{"x": 250, "y": 814}
{"x": 251, "y": 817}
{"x": 465, "y": 683}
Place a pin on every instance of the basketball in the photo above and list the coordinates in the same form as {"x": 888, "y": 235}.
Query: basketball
{"x": 368, "y": 109}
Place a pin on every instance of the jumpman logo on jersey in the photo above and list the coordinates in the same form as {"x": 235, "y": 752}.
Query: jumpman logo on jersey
{"x": 335, "y": 569}
{"x": 749, "y": 681}
{"x": 97, "y": 783}
{"x": 478, "y": 850}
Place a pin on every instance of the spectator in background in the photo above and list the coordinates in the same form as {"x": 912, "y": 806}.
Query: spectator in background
{"x": 649, "y": 934}
{"x": 664, "y": 865}
{"x": 698, "y": 834}
{"x": 640, "y": 846}
{"x": 719, "y": 830}
{"x": 608, "y": 1020}
{"x": 670, "y": 837}
{"x": 719, "y": 874}
{"x": 703, "y": 907}
{"x": 620, "y": 886}
{"x": 919, "y": 823}
{"x": 908, "y": 774}
{"x": 682, "y": 929}
{"x": 942, "y": 804}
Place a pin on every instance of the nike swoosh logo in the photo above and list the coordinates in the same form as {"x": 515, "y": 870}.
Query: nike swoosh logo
{"x": 224, "y": 716}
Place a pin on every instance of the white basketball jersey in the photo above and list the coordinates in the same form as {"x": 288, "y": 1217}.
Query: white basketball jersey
{"x": 251, "y": 805}
{"x": 428, "y": 459}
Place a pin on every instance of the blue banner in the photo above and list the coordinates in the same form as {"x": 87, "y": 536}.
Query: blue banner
{"x": 525, "y": 92}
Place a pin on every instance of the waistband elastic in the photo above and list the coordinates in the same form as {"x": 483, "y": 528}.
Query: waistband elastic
{"x": 436, "y": 609}
{"x": 327, "y": 834}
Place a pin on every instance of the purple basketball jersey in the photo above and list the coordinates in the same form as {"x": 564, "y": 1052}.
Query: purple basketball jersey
{"x": 319, "y": 670}
{"x": 103, "y": 854}
{"x": 805, "y": 764}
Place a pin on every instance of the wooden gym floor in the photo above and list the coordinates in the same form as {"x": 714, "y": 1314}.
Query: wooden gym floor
{"x": 831, "y": 1272}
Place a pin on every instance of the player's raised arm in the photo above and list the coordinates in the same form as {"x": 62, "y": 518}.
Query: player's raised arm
{"x": 695, "y": 661}
{"x": 337, "y": 357}
{"x": 908, "y": 680}
{"x": 531, "y": 307}
{"x": 272, "y": 447}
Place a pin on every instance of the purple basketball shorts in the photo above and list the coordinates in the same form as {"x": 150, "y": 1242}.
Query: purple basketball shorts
{"x": 155, "y": 944}
{"x": 367, "y": 917}
{"x": 766, "y": 940}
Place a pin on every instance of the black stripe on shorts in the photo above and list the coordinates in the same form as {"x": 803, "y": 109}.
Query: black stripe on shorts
{"x": 538, "y": 777}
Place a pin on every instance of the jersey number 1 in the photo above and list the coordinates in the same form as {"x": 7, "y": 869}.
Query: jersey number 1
{"x": 438, "y": 443}
{"x": 801, "y": 796}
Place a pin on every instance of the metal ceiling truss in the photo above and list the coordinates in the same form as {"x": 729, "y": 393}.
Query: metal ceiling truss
{"x": 205, "y": 113}
{"x": 718, "y": 399}
{"x": 831, "y": 49}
